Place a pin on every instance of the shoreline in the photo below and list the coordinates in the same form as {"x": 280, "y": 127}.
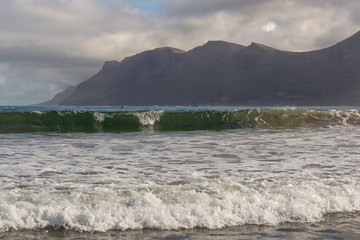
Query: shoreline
{"x": 334, "y": 225}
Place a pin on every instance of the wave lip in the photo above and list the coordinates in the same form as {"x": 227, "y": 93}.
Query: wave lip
{"x": 161, "y": 120}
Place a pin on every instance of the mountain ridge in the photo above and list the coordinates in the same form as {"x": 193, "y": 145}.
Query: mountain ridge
{"x": 225, "y": 73}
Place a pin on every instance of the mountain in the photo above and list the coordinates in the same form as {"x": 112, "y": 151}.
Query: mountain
{"x": 223, "y": 73}
{"x": 58, "y": 98}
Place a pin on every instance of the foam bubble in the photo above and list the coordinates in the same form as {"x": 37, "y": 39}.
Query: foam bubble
{"x": 100, "y": 117}
{"x": 149, "y": 118}
{"x": 38, "y": 112}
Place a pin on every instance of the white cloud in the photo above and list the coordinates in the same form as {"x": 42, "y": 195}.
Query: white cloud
{"x": 269, "y": 27}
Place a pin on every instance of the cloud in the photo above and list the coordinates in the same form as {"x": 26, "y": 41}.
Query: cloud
{"x": 47, "y": 45}
{"x": 301, "y": 25}
{"x": 269, "y": 26}
{"x": 153, "y": 6}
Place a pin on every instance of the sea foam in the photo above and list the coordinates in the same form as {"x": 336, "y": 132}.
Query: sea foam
{"x": 149, "y": 118}
{"x": 173, "y": 207}
{"x": 172, "y": 180}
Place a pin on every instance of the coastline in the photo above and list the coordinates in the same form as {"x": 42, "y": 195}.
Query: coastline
{"x": 335, "y": 226}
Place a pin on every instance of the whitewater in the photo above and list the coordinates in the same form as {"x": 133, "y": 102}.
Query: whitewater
{"x": 108, "y": 169}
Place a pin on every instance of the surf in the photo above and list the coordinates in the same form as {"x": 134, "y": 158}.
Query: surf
{"x": 167, "y": 120}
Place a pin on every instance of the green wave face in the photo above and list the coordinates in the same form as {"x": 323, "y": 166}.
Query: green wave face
{"x": 160, "y": 120}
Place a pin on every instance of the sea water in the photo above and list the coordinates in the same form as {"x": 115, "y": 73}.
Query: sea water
{"x": 91, "y": 170}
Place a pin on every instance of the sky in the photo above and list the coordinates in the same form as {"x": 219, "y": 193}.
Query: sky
{"x": 49, "y": 45}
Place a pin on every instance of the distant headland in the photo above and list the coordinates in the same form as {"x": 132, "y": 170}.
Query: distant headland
{"x": 223, "y": 73}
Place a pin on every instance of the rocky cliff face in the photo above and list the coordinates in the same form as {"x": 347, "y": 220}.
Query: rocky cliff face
{"x": 222, "y": 73}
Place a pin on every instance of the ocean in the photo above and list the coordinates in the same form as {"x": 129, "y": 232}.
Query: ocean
{"x": 179, "y": 172}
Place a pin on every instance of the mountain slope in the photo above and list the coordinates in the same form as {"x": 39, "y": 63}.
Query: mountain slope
{"x": 58, "y": 98}
{"x": 222, "y": 73}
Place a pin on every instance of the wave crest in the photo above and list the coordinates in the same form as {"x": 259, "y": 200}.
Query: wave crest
{"x": 161, "y": 120}
{"x": 180, "y": 207}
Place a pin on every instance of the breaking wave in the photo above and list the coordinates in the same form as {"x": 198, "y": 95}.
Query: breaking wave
{"x": 161, "y": 120}
{"x": 178, "y": 207}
